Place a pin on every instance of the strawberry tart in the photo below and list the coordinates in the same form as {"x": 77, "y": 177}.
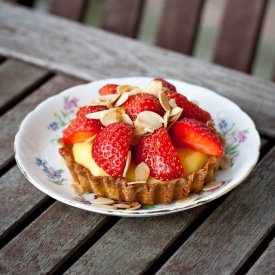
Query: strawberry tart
{"x": 147, "y": 145}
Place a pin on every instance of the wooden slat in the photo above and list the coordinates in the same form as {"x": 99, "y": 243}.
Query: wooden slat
{"x": 239, "y": 33}
{"x": 266, "y": 263}
{"x": 122, "y": 16}
{"x": 179, "y": 25}
{"x": 16, "y": 78}
{"x": 71, "y": 9}
{"x": 96, "y": 54}
{"x": 9, "y": 122}
{"x": 132, "y": 245}
{"x": 49, "y": 240}
{"x": 234, "y": 230}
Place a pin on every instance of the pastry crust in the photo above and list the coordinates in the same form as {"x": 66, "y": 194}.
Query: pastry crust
{"x": 145, "y": 193}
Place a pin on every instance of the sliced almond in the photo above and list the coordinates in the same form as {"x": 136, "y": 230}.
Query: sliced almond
{"x": 225, "y": 163}
{"x": 172, "y": 103}
{"x": 103, "y": 201}
{"x": 211, "y": 185}
{"x": 155, "y": 87}
{"x": 163, "y": 99}
{"x": 135, "y": 207}
{"x": 77, "y": 189}
{"x": 127, "y": 119}
{"x": 122, "y": 206}
{"x": 105, "y": 206}
{"x": 142, "y": 172}
{"x": 149, "y": 130}
{"x": 109, "y": 98}
{"x": 148, "y": 119}
{"x": 188, "y": 199}
{"x": 127, "y": 163}
{"x": 97, "y": 115}
{"x": 111, "y": 116}
{"x": 123, "y": 98}
{"x": 135, "y": 182}
{"x": 125, "y": 88}
{"x": 166, "y": 118}
{"x": 175, "y": 114}
{"x": 99, "y": 103}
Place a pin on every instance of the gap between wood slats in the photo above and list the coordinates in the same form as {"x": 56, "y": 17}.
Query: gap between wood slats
{"x": 257, "y": 253}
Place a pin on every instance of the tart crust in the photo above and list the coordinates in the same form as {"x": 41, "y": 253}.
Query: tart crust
{"x": 162, "y": 192}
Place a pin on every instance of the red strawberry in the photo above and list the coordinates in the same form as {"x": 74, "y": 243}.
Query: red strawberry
{"x": 142, "y": 102}
{"x": 165, "y": 84}
{"x": 189, "y": 108}
{"x": 111, "y": 146}
{"x": 84, "y": 110}
{"x": 108, "y": 89}
{"x": 194, "y": 134}
{"x": 157, "y": 151}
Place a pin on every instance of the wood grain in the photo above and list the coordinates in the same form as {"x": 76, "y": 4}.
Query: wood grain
{"x": 122, "y": 17}
{"x": 49, "y": 240}
{"x": 93, "y": 54}
{"x": 9, "y": 123}
{"x": 132, "y": 245}
{"x": 265, "y": 264}
{"x": 233, "y": 231}
{"x": 179, "y": 25}
{"x": 71, "y": 9}
{"x": 17, "y": 77}
{"x": 239, "y": 33}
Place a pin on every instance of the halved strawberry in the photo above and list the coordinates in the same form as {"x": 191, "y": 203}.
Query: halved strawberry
{"x": 108, "y": 89}
{"x": 82, "y": 128}
{"x": 165, "y": 84}
{"x": 190, "y": 109}
{"x": 111, "y": 146}
{"x": 142, "y": 102}
{"x": 157, "y": 151}
{"x": 194, "y": 134}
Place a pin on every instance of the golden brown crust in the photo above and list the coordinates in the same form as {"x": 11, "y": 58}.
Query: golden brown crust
{"x": 145, "y": 193}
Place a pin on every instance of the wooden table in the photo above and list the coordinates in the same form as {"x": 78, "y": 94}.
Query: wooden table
{"x": 40, "y": 56}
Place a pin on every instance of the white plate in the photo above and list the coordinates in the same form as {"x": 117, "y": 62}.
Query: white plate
{"x": 37, "y": 156}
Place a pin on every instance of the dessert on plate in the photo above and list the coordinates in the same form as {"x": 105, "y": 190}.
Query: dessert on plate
{"x": 141, "y": 145}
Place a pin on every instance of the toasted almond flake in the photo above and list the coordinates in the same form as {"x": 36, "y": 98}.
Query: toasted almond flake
{"x": 166, "y": 118}
{"x": 135, "y": 207}
{"x": 99, "y": 103}
{"x": 135, "y": 182}
{"x": 91, "y": 139}
{"x": 111, "y": 116}
{"x": 163, "y": 99}
{"x": 127, "y": 119}
{"x": 225, "y": 163}
{"x": 211, "y": 185}
{"x": 77, "y": 189}
{"x": 138, "y": 131}
{"x": 155, "y": 87}
{"x": 124, "y": 97}
{"x": 109, "y": 98}
{"x": 105, "y": 206}
{"x": 149, "y": 120}
{"x": 97, "y": 115}
{"x": 127, "y": 163}
{"x": 175, "y": 111}
{"x": 122, "y": 206}
{"x": 125, "y": 88}
{"x": 103, "y": 201}
{"x": 142, "y": 172}
{"x": 172, "y": 103}
{"x": 149, "y": 130}
{"x": 188, "y": 199}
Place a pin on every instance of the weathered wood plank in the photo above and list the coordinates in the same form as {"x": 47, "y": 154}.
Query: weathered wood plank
{"x": 49, "y": 240}
{"x": 10, "y": 121}
{"x": 266, "y": 263}
{"x": 122, "y": 16}
{"x": 132, "y": 245}
{"x": 71, "y": 9}
{"x": 179, "y": 25}
{"x": 239, "y": 33}
{"x": 234, "y": 230}
{"x": 16, "y": 78}
{"x": 96, "y": 54}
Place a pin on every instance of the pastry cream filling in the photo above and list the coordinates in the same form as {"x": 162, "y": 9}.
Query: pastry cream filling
{"x": 191, "y": 161}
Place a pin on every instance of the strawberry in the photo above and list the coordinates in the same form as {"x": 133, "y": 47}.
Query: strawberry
{"x": 194, "y": 134}
{"x": 82, "y": 128}
{"x": 190, "y": 109}
{"x": 157, "y": 151}
{"x": 142, "y": 102}
{"x": 166, "y": 85}
{"x": 111, "y": 146}
{"x": 108, "y": 89}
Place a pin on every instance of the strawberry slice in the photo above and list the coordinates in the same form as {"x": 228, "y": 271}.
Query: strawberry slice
{"x": 111, "y": 146}
{"x": 194, "y": 134}
{"x": 166, "y": 85}
{"x": 108, "y": 89}
{"x": 82, "y": 128}
{"x": 142, "y": 102}
{"x": 157, "y": 151}
{"x": 190, "y": 109}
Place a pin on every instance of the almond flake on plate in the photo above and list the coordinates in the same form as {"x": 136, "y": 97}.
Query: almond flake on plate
{"x": 103, "y": 201}
{"x": 211, "y": 185}
{"x": 188, "y": 199}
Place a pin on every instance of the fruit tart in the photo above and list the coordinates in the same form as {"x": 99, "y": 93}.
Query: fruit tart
{"x": 142, "y": 145}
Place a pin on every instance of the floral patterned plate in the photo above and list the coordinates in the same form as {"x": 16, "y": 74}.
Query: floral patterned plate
{"x": 37, "y": 149}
